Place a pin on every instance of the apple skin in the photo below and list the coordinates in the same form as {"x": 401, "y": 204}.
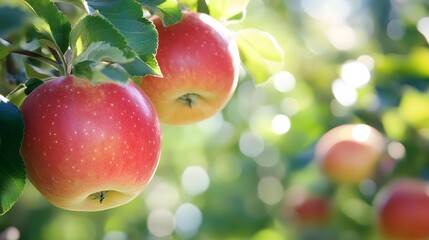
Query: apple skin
{"x": 81, "y": 140}
{"x": 349, "y": 153}
{"x": 199, "y": 61}
{"x": 402, "y": 209}
{"x": 312, "y": 211}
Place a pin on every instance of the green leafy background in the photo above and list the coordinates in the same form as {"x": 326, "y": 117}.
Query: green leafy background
{"x": 252, "y": 167}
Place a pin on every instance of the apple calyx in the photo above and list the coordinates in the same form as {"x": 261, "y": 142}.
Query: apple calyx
{"x": 99, "y": 196}
{"x": 188, "y": 99}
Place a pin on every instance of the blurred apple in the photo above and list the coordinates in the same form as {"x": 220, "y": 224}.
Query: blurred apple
{"x": 402, "y": 210}
{"x": 349, "y": 153}
{"x": 312, "y": 211}
{"x": 307, "y": 209}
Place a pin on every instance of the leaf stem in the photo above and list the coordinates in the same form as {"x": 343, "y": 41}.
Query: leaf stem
{"x": 42, "y": 58}
{"x": 60, "y": 59}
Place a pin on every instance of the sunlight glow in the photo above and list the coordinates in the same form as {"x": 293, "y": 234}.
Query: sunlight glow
{"x": 280, "y": 124}
{"x": 344, "y": 93}
{"x": 396, "y": 150}
{"x": 3, "y": 99}
{"x": 367, "y": 60}
{"x": 269, "y": 157}
{"x": 355, "y": 74}
{"x": 361, "y": 132}
{"x": 115, "y": 235}
{"x": 342, "y": 37}
{"x": 423, "y": 27}
{"x": 332, "y": 10}
{"x": 160, "y": 194}
{"x": 250, "y": 144}
{"x": 11, "y": 233}
{"x": 212, "y": 124}
{"x": 160, "y": 222}
{"x": 270, "y": 190}
{"x": 290, "y": 106}
{"x": 188, "y": 220}
{"x": 284, "y": 81}
{"x": 395, "y": 29}
{"x": 195, "y": 180}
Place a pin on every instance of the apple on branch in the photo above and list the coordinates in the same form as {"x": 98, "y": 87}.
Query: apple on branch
{"x": 402, "y": 208}
{"x": 349, "y": 153}
{"x": 307, "y": 209}
{"x": 199, "y": 61}
{"x": 89, "y": 147}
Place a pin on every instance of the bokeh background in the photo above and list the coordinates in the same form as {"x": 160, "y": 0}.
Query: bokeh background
{"x": 239, "y": 174}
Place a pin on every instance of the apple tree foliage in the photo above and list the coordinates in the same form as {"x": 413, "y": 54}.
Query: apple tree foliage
{"x": 93, "y": 39}
{"x": 317, "y": 37}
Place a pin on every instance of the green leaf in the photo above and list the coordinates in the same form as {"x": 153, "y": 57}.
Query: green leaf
{"x": 32, "y": 84}
{"x": 225, "y": 9}
{"x": 139, "y": 67}
{"x": 413, "y": 108}
{"x": 102, "y": 51}
{"x": 77, "y": 3}
{"x": 168, "y": 10}
{"x": 92, "y": 30}
{"x": 36, "y": 72}
{"x": 101, "y": 72}
{"x": 140, "y": 34}
{"x": 192, "y": 5}
{"x": 18, "y": 95}
{"x": 55, "y": 26}
{"x": 202, "y": 7}
{"x": 4, "y": 49}
{"x": 260, "y": 53}
{"x": 12, "y": 169}
{"x": 12, "y": 19}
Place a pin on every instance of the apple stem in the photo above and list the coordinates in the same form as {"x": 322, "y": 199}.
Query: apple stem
{"x": 100, "y": 196}
{"x": 188, "y": 99}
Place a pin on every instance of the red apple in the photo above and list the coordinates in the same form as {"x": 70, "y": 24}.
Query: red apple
{"x": 402, "y": 210}
{"x": 349, "y": 153}
{"x": 89, "y": 147}
{"x": 307, "y": 209}
{"x": 199, "y": 61}
{"x": 312, "y": 211}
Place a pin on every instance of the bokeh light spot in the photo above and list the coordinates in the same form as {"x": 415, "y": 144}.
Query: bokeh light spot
{"x": 188, "y": 220}
{"x": 423, "y": 27}
{"x": 115, "y": 235}
{"x": 367, "y": 60}
{"x": 290, "y": 106}
{"x": 160, "y": 223}
{"x": 355, "y": 74}
{"x": 396, "y": 150}
{"x": 160, "y": 194}
{"x": 395, "y": 29}
{"x": 344, "y": 93}
{"x": 270, "y": 190}
{"x": 361, "y": 132}
{"x": 342, "y": 37}
{"x": 280, "y": 124}
{"x": 269, "y": 157}
{"x": 283, "y": 81}
{"x": 195, "y": 180}
{"x": 368, "y": 187}
{"x": 10, "y": 233}
{"x": 250, "y": 144}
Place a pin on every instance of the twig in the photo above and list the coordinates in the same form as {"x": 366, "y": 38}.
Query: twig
{"x": 42, "y": 58}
